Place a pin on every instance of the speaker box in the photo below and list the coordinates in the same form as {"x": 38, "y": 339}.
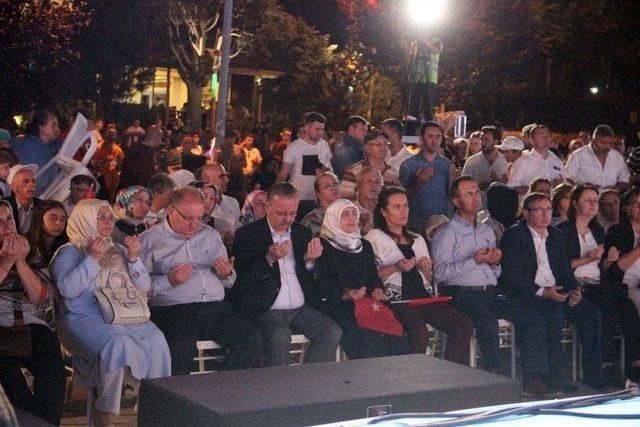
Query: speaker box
{"x": 320, "y": 393}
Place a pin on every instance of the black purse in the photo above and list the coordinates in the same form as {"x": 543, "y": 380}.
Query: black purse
{"x": 15, "y": 340}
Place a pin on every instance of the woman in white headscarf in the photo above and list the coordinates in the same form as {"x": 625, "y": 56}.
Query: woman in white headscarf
{"x": 347, "y": 272}
{"x": 103, "y": 353}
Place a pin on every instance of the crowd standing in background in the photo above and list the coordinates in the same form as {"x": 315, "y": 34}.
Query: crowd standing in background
{"x": 277, "y": 232}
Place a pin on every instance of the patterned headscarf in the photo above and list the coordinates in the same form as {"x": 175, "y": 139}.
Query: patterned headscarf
{"x": 124, "y": 201}
{"x": 248, "y": 214}
{"x": 331, "y": 230}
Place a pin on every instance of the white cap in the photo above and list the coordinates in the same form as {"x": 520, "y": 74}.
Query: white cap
{"x": 17, "y": 168}
{"x": 511, "y": 143}
{"x": 182, "y": 178}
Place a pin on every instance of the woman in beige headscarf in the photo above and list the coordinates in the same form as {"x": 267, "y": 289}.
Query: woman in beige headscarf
{"x": 101, "y": 351}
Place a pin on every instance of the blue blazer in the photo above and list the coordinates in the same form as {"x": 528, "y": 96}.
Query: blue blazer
{"x": 520, "y": 264}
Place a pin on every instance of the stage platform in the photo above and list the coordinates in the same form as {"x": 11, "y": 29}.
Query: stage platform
{"x": 320, "y": 393}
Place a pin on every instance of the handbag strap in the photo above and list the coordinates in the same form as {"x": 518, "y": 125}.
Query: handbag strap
{"x": 18, "y": 317}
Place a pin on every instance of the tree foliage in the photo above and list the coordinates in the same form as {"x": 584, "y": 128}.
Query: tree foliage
{"x": 36, "y": 43}
{"x": 520, "y": 60}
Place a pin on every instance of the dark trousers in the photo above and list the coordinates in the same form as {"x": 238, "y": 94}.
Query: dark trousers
{"x": 184, "y": 324}
{"x": 48, "y": 372}
{"x": 485, "y": 308}
{"x": 443, "y": 317}
{"x": 361, "y": 343}
{"x": 278, "y": 325}
{"x": 586, "y": 317}
{"x": 422, "y": 100}
{"x": 617, "y": 309}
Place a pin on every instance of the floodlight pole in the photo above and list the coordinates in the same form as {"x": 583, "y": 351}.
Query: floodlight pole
{"x": 223, "y": 73}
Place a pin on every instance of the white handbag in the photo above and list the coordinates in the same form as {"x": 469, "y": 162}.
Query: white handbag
{"x": 120, "y": 302}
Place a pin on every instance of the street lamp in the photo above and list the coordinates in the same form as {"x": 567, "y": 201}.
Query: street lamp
{"x": 594, "y": 90}
{"x": 426, "y": 13}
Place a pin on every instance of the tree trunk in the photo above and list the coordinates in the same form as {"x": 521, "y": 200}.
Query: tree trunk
{"x": 194, "y": 105}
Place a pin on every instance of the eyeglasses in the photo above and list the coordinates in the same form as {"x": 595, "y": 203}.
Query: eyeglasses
{"x": 106, "y": 218}
{"x": 540, "y": 210}
{"x": 189, "y": 219}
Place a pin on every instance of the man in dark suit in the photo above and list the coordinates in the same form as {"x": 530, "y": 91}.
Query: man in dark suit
{"x": 23, "y": 198}
{"x": 536, "y": 271}
{"x": 275, "y": 257}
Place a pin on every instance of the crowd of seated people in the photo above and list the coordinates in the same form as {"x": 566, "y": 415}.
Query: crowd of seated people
{"x": 299, "y": 258}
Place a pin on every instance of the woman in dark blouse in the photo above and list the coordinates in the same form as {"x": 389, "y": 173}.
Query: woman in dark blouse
{"x": 347, "y": 272}
{"x": 621, "y": 274}
{"x": 584, "y": 239}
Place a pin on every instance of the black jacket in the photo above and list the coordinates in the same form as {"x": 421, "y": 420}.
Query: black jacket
{"x": 520, "y": 264}
{"x": 571, "y": 241}
{"x": 622, "y": 237}
{"x": 257, "y": 285}
{"x": 14, "y": 208}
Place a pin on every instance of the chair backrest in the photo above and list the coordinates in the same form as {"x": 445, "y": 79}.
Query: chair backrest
{"x": 64, "y": 161}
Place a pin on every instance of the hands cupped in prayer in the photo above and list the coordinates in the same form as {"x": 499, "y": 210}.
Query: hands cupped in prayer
{"x": 97, "y": 247}
{"x": 180, "y": 274}
{"x": 134, "y": 246}
{"x": 223, "y": 267}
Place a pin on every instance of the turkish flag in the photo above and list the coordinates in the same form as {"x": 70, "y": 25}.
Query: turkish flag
{"x": 375, "y": 315}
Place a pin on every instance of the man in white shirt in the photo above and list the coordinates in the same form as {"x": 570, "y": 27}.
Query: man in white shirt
{"x": 539, "y": 162}
{"x": 276, "y": 288}
{"x": 537, "y": 272}
{"x": 477, "y": 166}
{"x": 511, "y": 148}
{"x": 398, "y": 152}
{"x": 304, "y": 159}
{"x": 252, "y": 154}
{"x": 227, "y": 213}
{"x": 597, "y": 164}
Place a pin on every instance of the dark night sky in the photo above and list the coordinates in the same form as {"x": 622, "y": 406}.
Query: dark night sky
{"x": 324, "y": 15}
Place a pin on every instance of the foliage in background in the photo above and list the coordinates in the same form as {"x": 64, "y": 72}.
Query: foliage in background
{"x": 36, "y": 44}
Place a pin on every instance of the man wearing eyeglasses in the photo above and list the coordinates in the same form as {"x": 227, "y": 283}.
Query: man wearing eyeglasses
{"x": 537, "y": 272}
{"x": 376, "y": 146}
{"x": 467, "y": 267}
{"x": 23, "y": 198}
{"x": 190, "y": 271}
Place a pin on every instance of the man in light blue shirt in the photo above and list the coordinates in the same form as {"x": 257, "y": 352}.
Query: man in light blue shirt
{"x": 467, "y": 266}
{"x": 189, "y": 272}
{"x": 426, "y": 177}
{"x": 39, "y": 146}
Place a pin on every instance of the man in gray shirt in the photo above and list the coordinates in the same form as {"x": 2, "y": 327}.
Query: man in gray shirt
{"x": 189, "y": 272}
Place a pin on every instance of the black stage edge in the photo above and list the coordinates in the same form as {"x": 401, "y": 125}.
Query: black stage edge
{"x": 319, "y": 393}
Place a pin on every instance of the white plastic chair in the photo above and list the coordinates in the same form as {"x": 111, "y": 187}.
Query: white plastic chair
{"x": 506, "y": 339}
{"x": 66, "y": 166}
{"x": 299, "y": 345}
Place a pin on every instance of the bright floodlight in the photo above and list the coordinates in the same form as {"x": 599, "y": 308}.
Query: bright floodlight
{"x": 593, "y": 89}
{"x": 426, "y": 12}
